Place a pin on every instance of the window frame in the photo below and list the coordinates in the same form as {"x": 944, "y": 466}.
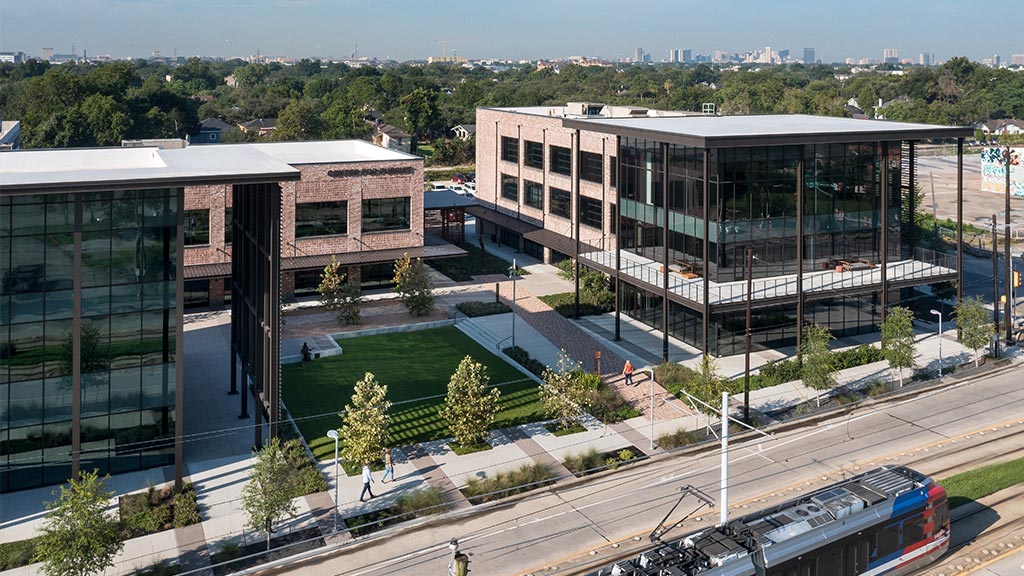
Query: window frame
{"x": 507, "y": 183}
{"x": 533, "y": 154}
{"x": 319, "y": 210}
{"x": 554, "y": 206}
{"x": 373, "y": 208}
{"x": 204, "y": 235}
{"x": 586, "y": 213}
{"x": 533, "y": 191}
{"x": 560, "y": 160}
{"x": 589, "y": 161}
{"x": 510, "y": 149}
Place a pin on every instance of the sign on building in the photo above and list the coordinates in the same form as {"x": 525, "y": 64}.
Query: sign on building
{"x": 993, "y": 171}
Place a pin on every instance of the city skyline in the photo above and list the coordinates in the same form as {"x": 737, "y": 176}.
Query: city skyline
{"x": 406, "y": 31}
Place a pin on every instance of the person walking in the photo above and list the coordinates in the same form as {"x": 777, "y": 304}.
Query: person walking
{"x": 389, "y": 466}
{"x": 627, "y": 371}
{"x": 367, "y": 479}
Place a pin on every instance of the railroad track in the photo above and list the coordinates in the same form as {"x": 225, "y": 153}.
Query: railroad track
{"x": 954, "y": 456}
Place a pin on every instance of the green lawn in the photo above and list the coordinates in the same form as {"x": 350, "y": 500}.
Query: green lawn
{"x": 980, "y": 482}
{"x": 413, "y": 365}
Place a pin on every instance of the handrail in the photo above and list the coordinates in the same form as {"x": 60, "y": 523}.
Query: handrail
{"x": 498, "y": 345}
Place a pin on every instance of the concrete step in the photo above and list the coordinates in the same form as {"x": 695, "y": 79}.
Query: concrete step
{"x": 481, "y": 335}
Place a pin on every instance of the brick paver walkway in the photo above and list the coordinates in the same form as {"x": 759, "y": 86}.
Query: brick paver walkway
{"x": 581, "y": 346}
{"x": 538, "y": 453}
{"x": 435, "y": 476}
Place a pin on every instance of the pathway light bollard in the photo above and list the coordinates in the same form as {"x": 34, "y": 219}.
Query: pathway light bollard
{"x": 333, "y": 435}
{"x": 513, "y": 276}
{"x": 597, "y": 362}
{"x": 939, "y": 314}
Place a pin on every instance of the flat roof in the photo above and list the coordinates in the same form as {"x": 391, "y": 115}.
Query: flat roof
{"x": 328, "y": 152}
{"x": 778, "y": 129}
{"x": 83, "y": 169}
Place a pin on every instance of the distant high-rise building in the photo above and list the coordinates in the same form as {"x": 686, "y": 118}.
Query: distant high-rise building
{"x": 891, "y": 56}
{"x": 687, "y": 55}
{"x": 638, "y": 55}
{"x": 924, "y": 59}
{"x": 996, "y": 61}
{"x": 783, "y": 54}
{"x": 46, "y": 53}
{"x": 1017, "y": 59}
{"x": 647, "y": 58}
{"x": 768, "y": 56}
{"x": 673, "y": 55}
{"x": 809, "y": 56}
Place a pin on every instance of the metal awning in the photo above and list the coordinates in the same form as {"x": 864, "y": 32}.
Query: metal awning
{"x": 223, "y": 269}
{"x": 501, "y": 219}
{"x": 553, "y": 240}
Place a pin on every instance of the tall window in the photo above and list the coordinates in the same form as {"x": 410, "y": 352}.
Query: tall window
{"x": 509, "y": 187}
{"x": 591, "y": 167}
{"x": 559, "y": 202}
{"x": 590, "y": 212}
{"x": 613, "y": 171}
{"x": 561, "y": 160}
{"x": 228, "y": 225}
{"x": 533, "y": 194}
{"x": 510, "y": 149}
{"x": 386, "y": 214}
{"x": 534, "y": 154}
{"x": 197, "y": 227}
{"x": 321, "y": 219}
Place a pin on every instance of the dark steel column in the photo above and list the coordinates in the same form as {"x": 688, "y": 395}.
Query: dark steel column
{"x": 1008, "y": 285}
{"x": 959, "y": 221}
{"x": 574, "y": 171}
{"x": 995, "y": 281}
{"x": 800, "y": 167}
{"x": 76, "y": 346}
{"x": 912, "y": 236}
{"x": 618, "y": 235}
{"x": 706, "y": 316}
{"x": 179, "y": 345}
{"x": 665, "y": 245}
{"x": 746, "y": 365}
{"x": 884, "y": 252}
{"x": 274, "y": 316}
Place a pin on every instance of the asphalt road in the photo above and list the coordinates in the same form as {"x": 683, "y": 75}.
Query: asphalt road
{"x": 541, "y": 533}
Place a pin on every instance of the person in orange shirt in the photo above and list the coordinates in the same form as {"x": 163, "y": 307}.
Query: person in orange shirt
{"x": 627, "y": 370}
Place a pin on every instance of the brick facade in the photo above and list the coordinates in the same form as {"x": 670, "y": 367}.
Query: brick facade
{"x": 547, "y": 130}
{"x": 352, "y": 182}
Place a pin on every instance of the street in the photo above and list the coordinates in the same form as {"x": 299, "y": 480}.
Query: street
{"x": 546, "y": 530}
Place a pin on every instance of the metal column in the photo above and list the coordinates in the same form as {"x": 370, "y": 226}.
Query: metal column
{"x": 800, "y": 166}
{"x": 179, "y": 346}
{"x": 884, "y": 252}
{"x": 959, "y": 221}
{"x": 618, "y": 230}
{"x": 706, "y": 316}
{"x": 1008, "y": 286}
{"x": 665, "y": 245}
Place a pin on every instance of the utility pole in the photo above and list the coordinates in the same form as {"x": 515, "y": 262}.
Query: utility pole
{"x": 1007, "y": 313}
{"x": 746, "y": 374}
{"x": 995, "y": 283}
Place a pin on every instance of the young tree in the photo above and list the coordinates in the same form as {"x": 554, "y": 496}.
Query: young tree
{"x": 975, "y": 324}
{"x": 898, "y": 340}
{"x": 267, "y": 496}
{"x": 412, "y": 281}
{"x": 818, "y": 370}
{"x": 337, "y": 294}
{"x": 706, "y": 385}
{"x": 564, "y": 394}
{"x": 79, "y": 537}
{"x": 470, "y": 407}
{"x": 364, "y": 432}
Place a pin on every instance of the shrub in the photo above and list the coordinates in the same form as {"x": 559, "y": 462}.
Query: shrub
{"x": 678, "y": 438}
{"x": 584, "y": 461}
{"x": 673, "y": 377}
{"x": 565, "y": 304}
{"x": 162, "y": 568}
{"x": 476, "y": 309}
{"x": 186, "y": 509}
{"x": 17, "y": 554}
{"x": 310, "y": 480}
{"x": 608, "y": 406}
{"x": 859, "y": 356}
{"x": 626, "y": 455}
{"x": 877, "y": 388}
{"x": 229, "y": 551}
{"x": 845, "y": 398}
{"x": 504, "y": 484}
{"x": 522, "y": 357}
{"x": 421, "y": 502}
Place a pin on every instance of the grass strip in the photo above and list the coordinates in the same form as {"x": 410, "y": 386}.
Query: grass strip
{"x": 966, "y": 487}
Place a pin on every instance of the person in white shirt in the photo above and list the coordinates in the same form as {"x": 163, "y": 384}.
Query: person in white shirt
{"x": 367, "y": 479}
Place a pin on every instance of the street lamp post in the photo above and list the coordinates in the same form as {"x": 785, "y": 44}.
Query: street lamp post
{"x": 333, "y": 435}
{"x": 939, "y": 314}
{"x": 513, "y": 277}
{"x": 746, "y": 376}
{"x": 650, "y": 376}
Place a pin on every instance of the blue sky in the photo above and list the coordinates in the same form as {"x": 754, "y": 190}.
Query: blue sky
{"x": 406, "y": 29}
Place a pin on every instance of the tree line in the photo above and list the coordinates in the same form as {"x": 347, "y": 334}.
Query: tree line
{"x": 101, "y": 104}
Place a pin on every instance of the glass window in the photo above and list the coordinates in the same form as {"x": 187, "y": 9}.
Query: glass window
{"x": 831, "y": 561}
{"x": 534, "y": 154}
{"x": 533, "y": 194}
{"x": 321, "y": 219}
{"x": 591, "y": 167}
{"x": 887, "y": 541}
{"x": 613, "y": 172}
{"x": 913, "y": 531}
{"x": 228, "y": 226}
{"x": 385, "y": 214}
{"x": 197, "y": 227}
{"x": 510, "y": 149}
{"x": 559, "y": 202}
{"x": 509, "y": 187}
{"x": 561, "y": 160}
{"x": 591, "y": 212}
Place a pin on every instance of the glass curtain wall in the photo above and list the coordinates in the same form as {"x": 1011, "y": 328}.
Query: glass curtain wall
{"x": 128, "y": 313}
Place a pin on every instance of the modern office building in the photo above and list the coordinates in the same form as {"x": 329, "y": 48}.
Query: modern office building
{"x": 809, "y": 56}
{"x": 667, "y": 204}
{"x": 91, "y": 244}
{"x": 358, "y": 202}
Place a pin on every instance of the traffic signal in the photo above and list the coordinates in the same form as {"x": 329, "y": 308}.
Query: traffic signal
{"x": 1016, "y": 279}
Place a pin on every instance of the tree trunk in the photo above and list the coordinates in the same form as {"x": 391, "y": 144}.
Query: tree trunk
{"x": 975, "y": 358}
